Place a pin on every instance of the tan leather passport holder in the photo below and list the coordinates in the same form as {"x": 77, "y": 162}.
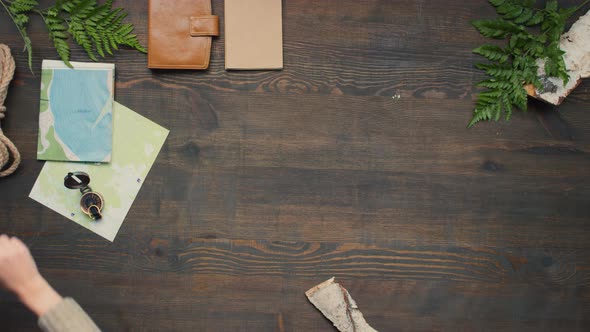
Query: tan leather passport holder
{"x": 180, "y": 33}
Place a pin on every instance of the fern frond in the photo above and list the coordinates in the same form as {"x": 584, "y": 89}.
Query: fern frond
{"x": 524, "y": 16}
{"x": 492, "y": 53}
{"x": 81, "y": 8}
{"x": 57, "y": 33}
{"x": 97, "y": 28}
{"x": 81, "y": 36}
{"x": 518, "y": 11}
{"x": 63, "y": 49}
{"x": 498, "y": 28}
{"x": 485, "y": 112}
{"x": 493, "y": 83}
{"x": 22, "y": 6}
{"x": 497, "y": 70}
{"x": 535, "y": 19}
{"x": 29, "y": 49}
{"x": 551, "y": 6}
{"x": 18, "y": 10}
{"x": 510, "y": 68}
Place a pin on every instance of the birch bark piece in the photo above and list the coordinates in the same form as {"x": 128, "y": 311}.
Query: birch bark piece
{"x": 576, "y": 45}
{"x": 337, "y": 305}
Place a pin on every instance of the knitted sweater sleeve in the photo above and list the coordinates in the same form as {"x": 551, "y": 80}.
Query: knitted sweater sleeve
{"x": 65, "y": 317}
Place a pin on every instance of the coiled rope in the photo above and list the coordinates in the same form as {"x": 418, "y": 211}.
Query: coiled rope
{"x": 6, "y": 146}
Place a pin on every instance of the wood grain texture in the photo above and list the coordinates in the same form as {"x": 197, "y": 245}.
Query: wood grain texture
{"x": 271, "y": 182}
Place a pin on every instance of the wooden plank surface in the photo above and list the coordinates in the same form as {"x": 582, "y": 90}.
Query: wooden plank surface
{"x": 272, "y": 182}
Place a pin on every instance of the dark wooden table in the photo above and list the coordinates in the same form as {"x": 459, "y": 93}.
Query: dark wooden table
{"x": 272, "y": 182}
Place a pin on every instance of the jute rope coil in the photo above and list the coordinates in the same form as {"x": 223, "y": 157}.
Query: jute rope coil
{"x": 6, "y": 146}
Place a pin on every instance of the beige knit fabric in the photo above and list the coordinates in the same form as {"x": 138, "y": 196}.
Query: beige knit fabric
{"x": 67, "y": 316}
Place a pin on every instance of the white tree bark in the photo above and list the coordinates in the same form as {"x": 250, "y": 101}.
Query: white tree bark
{"x": 576, "y": 44}
{"x": 338, "y": 306}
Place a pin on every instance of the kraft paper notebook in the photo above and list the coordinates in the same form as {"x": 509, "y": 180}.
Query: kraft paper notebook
{"x": 76, "y": 112}
{"x": 253, "y": 34}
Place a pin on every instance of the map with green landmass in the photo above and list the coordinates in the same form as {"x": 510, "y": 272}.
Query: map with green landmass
{"x": 136, "y": 144}
{"x": 75, "y": 115}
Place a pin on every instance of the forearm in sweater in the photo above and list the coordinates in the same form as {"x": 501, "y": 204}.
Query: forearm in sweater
{"x": 67, "y": 316}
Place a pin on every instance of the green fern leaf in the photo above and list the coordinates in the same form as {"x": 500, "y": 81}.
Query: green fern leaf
{"x": 63, "y": 49}
{"x": 124, "y": 30}
{"x": 514, "y": 12}
{"x": 497, "y": 70}
{"x": 537, "y": 18}
{"x": 494, "y": 84}
{"x": 29, "y": 49}
{"x": 18, "y": 10}
{"x": 524, "y": 17}
{"x": 107, "y": 45}
{"x": 492, "y": 53}
{"x": 82, "y": 8}
{"x": 22, "y": 6}
{"x": 551, "y": 6}
{"x": 508, "y": 7}
{"x": 498, "y": 28}
{"x": 497, "y": 3}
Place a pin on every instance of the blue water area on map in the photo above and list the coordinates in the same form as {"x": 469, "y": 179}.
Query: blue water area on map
{"x": 77, "y": 98}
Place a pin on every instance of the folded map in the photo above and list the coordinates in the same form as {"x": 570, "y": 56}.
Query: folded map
{"x": 137, "y": 144}
{"x": 75, "y": 119}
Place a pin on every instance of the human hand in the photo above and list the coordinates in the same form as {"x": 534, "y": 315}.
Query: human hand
{"x": 19, "y": 274}
{"x": 17, "y": 268}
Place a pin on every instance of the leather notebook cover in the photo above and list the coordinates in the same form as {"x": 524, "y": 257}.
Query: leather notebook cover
{"x": 253, "y": 34}
{"x": 180, "y": 33}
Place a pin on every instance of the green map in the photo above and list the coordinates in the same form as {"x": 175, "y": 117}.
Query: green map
{"x": 75, "y": 113}
{"x": 136, "y": 144}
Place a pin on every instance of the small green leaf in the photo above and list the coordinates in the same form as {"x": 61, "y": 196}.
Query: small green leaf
{"x": 492, "y": 53}
{"x": 525, "y": 16}
{"x": 535, "y": 19}
{"x": 551, "y": 6}
{"x": 498, "y": 29}
{"x": 496, "y": 3}
{"x": 514, "y": 13}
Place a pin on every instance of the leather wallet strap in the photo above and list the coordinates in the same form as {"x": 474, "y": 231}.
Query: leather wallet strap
{"x": 206, "y": 25}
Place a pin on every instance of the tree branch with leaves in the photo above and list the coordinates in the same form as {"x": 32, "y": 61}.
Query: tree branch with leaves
{"x": 98, "y": 28}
